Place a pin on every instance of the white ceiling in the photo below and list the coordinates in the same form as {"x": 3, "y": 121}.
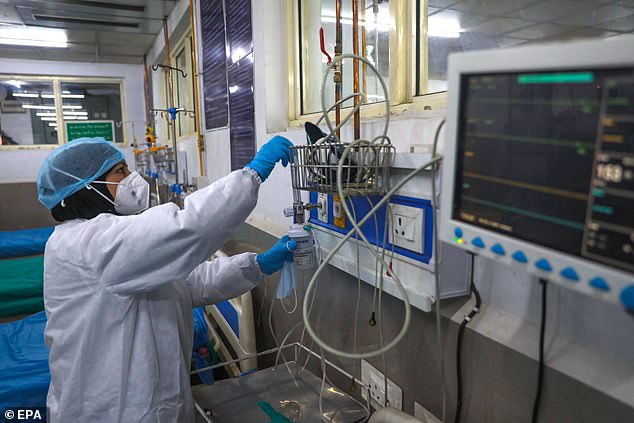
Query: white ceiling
{"x": 103, "y": 31}
{"x": 515, "y": 22}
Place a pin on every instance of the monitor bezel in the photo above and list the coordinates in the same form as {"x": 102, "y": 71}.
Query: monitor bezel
{"x": 569, "y": 56}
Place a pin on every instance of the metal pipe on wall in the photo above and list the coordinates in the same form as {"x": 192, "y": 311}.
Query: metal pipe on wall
{"x": 355, "y": 67}
{"x": 146, "y": 85}
{"x": 170, "y": 96}
{"x": 201, "y": 139}
{"x": 337, "y": 74}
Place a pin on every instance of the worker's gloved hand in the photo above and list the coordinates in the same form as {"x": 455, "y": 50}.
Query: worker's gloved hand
{"x": 278, "y": 148}
{"x": 273, "y": 260}
{"x": 273, "y": 415}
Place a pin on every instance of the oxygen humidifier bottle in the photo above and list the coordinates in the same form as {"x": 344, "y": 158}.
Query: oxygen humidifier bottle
{"x": 304, "y": 256}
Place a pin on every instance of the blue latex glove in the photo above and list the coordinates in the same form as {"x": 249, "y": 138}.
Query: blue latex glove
{"x": 272, "y": 414}
{"x": 273, "y": 260}
{"x": 278, "y": 148}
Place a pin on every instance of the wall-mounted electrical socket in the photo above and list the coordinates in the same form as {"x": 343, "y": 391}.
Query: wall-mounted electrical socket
{"x": 322, "y": 211}
{"x": 406, "y": 227}
{"x": 375, "y": 381}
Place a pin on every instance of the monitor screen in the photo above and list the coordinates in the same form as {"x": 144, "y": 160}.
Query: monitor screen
{"x": 548, "y": 157}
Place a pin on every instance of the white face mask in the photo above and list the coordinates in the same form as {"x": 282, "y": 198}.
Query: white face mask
{"x": 133, "y": 194}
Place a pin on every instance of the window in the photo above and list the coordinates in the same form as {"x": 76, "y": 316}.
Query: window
{"x": 27, "y": 112}
{"x": 410, "y": 41}
{"x": 381, "y": 28}
{"x": 92, "y": 101}
{"x": 33, "y": 108}
{"x": 454, "y": 26}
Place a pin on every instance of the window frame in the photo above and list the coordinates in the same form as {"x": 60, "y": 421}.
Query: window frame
{"x": 57, "y": 92}
{"x": 404, "y": 80}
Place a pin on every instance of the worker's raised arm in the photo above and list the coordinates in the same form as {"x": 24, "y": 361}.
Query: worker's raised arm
{"x": 135, "y": 254}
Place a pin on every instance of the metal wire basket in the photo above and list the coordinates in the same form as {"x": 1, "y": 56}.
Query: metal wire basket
{"x": 365, "y": 169}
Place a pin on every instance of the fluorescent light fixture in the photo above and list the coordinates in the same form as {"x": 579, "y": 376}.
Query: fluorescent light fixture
{"x": 33, "y": 36}
{"x": 233, "y": 88}
{"x": 66, "y": 117}
{"x": 82, "y": 117}
{"x": 64, "y": 96}
{"x": 52, "y": 124}
{"x": 444, "y": 28}
{"x": 37, "y": 106}
{"x": 71, "y": 107}
{"x": 45, "y": 114}
{"x": 65, "y": 92}
{"x": 52, "y": 119}
{"x": 32, "y": 95}
{"x": 70, "y": 113}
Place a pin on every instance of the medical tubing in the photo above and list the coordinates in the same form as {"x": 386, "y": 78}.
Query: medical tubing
{"x": 475, "y": 310}
{"x": 381, "y": 259}
{"x": 275, "y": 340}
{"x": 343, "y": 100}
{"x": 282, "y": 345}
{"x": 335, "y": 62}
{"x": 434, "y": 206}
{"x": 312, "y": 282}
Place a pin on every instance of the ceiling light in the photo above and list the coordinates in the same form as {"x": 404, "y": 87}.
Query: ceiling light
{"x": 82, "y": 117}
{"x": 46, "y": 114}
{"x": 71, "y": 107}
{"x": 33, "y": 95}
{"x": 37, "y": 106}
{"x": 444, "y": 27}
{"x": 49, "y": 118}
{"x": 33, "y": 36}
{"x": 66, "y": 112}
{"x": 64, "y": 96}
{"x": 52, "y": 124}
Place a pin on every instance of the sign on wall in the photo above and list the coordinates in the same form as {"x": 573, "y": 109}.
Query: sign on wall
{"x": 91, "y": 129}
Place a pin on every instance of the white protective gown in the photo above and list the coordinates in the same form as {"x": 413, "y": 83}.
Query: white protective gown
{"x": 119, "y": 293}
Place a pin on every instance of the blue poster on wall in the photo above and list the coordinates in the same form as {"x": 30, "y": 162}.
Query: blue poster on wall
{"x": 214, "y": 64}
{"x": 240, "y": 75}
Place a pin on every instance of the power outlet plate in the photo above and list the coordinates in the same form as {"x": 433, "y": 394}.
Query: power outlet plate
{"x": 375, "y": 381}
{"x": 406, "y": 227}
{"x": 322, "y": 211}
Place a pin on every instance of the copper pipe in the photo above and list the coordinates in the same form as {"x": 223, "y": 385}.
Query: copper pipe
{"x": 170, "y": 96}
{"x": 338, "y": 72}
{"x": 355, "y": 68}
{"x": 201, "y": 140}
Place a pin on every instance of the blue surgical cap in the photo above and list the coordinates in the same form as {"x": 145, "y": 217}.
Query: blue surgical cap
{"x": 74, "y": 165}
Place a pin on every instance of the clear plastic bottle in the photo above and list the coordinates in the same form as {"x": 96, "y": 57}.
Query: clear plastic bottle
{"x": 304, "y": 256}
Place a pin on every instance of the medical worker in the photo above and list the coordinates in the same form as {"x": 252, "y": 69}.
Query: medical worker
{"x": 120, "y": 281}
